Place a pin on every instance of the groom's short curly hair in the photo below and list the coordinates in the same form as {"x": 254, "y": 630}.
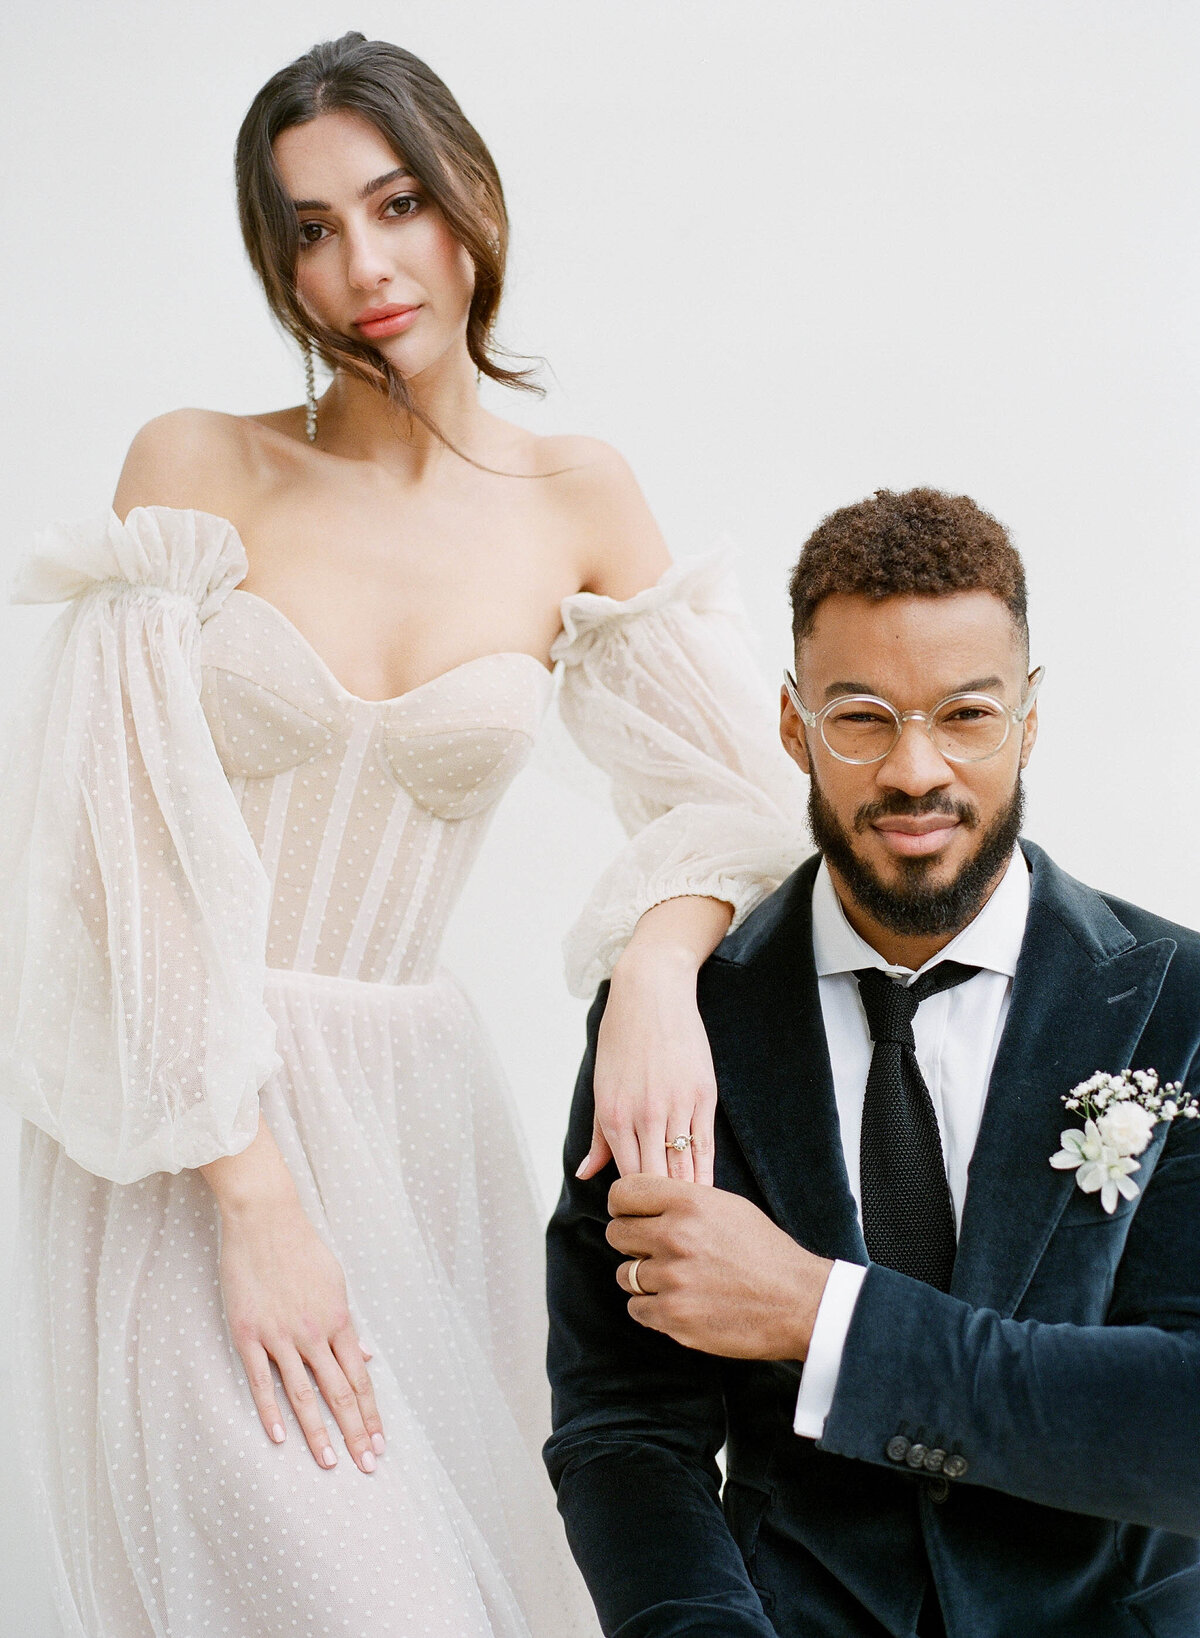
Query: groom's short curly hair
{"x": 920, "y": 543}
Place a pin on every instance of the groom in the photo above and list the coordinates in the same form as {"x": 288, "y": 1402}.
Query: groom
{"x": 958, "y": 1384}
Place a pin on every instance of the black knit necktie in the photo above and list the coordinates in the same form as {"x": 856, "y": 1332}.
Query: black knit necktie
{"x": 907, "y": 1212}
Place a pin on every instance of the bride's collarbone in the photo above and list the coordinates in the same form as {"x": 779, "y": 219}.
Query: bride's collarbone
{"x": 423, "y": 545}
{"x": 389, "y": 591}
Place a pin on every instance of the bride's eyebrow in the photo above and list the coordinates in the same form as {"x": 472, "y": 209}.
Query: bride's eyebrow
{"x": 365, "y": 192}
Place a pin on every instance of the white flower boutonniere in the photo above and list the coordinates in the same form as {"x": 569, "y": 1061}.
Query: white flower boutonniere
{"x": 1120, "y": 1113}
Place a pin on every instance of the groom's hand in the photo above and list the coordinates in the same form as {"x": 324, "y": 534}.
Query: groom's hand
{"x": 717, "y": 1273}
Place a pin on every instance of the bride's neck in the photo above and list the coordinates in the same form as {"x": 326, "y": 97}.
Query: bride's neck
{"x": 357, "y": 421}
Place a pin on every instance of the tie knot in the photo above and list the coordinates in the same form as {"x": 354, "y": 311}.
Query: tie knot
{"x": 891, "y": 1006}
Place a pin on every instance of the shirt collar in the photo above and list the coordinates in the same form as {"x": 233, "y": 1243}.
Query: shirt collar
{"x": 992, "y": 940}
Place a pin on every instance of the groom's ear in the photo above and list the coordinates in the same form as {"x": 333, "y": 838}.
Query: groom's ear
{"x": 1030, "y": 727}
{"x": 791, "y": 732}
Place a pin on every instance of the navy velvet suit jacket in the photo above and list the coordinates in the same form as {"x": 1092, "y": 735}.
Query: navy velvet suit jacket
{"x": 1063, "y": 1367}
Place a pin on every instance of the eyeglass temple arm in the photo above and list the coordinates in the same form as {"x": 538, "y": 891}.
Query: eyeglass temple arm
{"x": 809, "y": 718}
{"x": 1031, "y": 694}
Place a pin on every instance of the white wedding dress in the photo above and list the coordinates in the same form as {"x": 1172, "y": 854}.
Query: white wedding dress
{"x": 223, "y": 883}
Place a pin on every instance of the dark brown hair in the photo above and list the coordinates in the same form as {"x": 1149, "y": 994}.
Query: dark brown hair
{"x": 421, "y": 122}
{"x": 921, "y": 543}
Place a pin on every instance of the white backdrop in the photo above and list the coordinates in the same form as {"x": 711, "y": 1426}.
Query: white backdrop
{"x": 780, "y": 252}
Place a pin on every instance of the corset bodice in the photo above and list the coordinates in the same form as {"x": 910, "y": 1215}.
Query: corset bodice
{"x": 367, "y": 814}
{"x": 191, "y": 798}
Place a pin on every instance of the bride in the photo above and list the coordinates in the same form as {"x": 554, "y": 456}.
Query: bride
{"x": 280, "y": 1314}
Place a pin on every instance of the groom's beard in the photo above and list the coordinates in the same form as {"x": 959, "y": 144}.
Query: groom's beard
{"x": 915, "y": 906}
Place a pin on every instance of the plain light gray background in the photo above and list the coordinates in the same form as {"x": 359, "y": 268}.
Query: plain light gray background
{"x": 781, "y": 253}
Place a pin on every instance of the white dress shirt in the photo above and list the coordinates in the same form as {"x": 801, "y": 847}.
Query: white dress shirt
{"x": 957, "y": 1033}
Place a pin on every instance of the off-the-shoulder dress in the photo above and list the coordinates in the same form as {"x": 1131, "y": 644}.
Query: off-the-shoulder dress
{"x": 224, "y": 881}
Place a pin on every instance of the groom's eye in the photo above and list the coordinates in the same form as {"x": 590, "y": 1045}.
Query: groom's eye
{"x": 970, "y": 713}
{"x": 860, "y": 714}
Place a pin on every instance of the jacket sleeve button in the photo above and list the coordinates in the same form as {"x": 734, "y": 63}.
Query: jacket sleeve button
{"x": 954, "y": 1466}
{"x": 898, "y": 1448}
{"x": 916, "y": 1456}
{"x": 935, "y": 1460}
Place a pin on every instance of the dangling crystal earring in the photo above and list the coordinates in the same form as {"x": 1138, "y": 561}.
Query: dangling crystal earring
{"x": 310, "y": 394}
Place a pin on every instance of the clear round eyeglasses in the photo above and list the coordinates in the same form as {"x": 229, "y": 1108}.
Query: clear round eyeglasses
{"x": 963, "y": 727}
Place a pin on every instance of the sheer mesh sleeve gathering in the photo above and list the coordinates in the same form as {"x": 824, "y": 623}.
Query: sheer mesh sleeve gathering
{"x": 663, "y": 693}
{"x": 133, "y": 906}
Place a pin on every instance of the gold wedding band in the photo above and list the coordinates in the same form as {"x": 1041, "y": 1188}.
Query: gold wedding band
{"x": 633, "y": 1279}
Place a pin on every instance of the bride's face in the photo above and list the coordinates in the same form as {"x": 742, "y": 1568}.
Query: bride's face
{"x": 377, "y": 261}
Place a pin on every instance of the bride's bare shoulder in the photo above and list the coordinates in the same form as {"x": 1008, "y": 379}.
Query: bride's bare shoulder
{"x": 621, "y": 547}
{"x": 584, "y": 463}
{"x": 198, "y": 459}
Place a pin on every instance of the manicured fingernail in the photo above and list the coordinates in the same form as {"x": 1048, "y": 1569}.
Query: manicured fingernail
{"x": 579, "y": 1168}
{"x": 366, "y": 1352}
{"x": 277, "y": 1433}
{"x": 378, "y": 1443}
{"x": 328, "y": 1457}
{"x": 367, "y": 1462}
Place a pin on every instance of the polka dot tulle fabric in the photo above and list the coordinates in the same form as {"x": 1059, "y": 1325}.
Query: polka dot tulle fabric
{"x": 225, "y": 881}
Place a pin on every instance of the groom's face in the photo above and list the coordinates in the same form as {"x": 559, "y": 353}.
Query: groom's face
{"x": 915, "y": 840}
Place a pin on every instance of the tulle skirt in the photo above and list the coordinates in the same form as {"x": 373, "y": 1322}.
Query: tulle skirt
{"x": 170, "y": 1512}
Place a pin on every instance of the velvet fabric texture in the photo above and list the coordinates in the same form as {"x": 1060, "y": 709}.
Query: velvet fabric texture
{"x": 1062, "y": 1370}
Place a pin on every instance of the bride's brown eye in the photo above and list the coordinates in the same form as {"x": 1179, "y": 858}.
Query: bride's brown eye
{"x": 404, "y": 204}
{"x": 311, "y": 233}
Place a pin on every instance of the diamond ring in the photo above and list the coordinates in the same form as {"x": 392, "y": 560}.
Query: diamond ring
{"x": 680, "y": 1144}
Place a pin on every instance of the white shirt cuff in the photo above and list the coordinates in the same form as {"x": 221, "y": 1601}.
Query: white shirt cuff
{"x": 819, "y": 1378}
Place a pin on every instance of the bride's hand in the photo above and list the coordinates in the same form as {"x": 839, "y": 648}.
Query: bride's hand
{"x": 654, "y": 1076}
{"x": 285, "y": 1300}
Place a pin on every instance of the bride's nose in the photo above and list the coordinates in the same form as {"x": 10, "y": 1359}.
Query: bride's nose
{"x": 367, "y": 265}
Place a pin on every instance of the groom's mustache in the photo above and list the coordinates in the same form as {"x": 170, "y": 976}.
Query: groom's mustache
{"x": 897, "y": 805}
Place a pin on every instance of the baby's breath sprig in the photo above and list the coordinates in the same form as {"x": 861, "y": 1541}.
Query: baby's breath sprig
{"x": 1140, "y": 1086}
{"x": 1119, "y": 1113}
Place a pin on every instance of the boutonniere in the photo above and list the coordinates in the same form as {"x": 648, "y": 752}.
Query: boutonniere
{"x": 1119, "y": 1113}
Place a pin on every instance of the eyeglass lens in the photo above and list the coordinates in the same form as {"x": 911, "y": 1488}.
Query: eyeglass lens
{"x": 966, "y": 728}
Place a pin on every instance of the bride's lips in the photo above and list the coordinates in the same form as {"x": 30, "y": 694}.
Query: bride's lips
{"x": 375, "y": 322}
{"x": 914, "y": 838}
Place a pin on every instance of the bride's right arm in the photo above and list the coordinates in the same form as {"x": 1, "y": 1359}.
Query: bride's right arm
{"x": 133, "y": 905}
{"x": 133, "y": 916}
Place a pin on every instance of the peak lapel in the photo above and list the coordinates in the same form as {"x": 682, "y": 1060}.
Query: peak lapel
{"x": 1083, "y": 992}
{"x": 763, "y": 1010}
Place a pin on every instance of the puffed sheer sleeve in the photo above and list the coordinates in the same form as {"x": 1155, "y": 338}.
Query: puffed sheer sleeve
{"x": 663, "y": 693}
{"x": 133, "y": 906}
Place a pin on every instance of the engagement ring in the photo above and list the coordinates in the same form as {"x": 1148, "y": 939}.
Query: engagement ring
{"x": 680, "y": 1144}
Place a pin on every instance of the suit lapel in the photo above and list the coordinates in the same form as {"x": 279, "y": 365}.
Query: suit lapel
{"x": 1083, "y": 992}
{"x": 763, "y": 1009}
{"x": 1081, "y": 999}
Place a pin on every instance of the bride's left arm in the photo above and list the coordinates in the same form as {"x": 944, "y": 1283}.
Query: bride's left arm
{"x": 660, "y": 688}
